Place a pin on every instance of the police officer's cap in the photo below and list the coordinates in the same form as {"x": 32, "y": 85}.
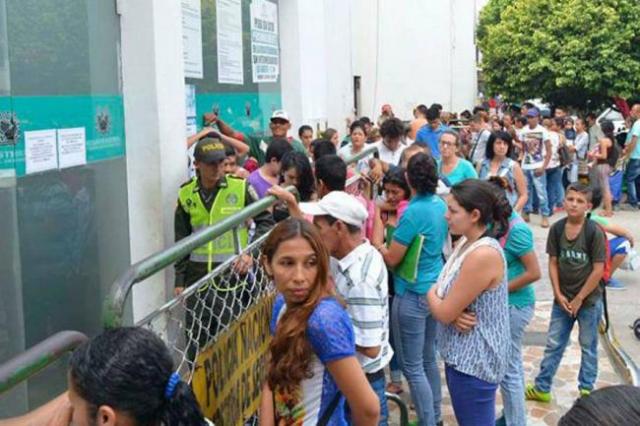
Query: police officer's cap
{"x": 209, "y": 150}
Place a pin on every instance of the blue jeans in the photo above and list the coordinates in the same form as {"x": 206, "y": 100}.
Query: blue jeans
{"x": 632, "y": 177}
{"x": 512, "y": 386}
{"x": 557, "y": 339}
{"x": 539, "y": 183}
{"x": 415, "y": 332}
{"x": 394, "y": 364}
{"x": 555, "y": 190}
{"x": 473, "y": 399}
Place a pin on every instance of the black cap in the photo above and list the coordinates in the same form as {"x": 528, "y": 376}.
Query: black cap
{"x": 209, "y": 150}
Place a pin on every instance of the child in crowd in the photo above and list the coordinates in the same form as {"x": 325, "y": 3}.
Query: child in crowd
{"x": 577, "y": 254}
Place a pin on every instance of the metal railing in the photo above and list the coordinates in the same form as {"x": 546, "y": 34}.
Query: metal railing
{"x": 37, "y": 358}
{"x": 217, "y": 329}
{"x": 120, "y": 290}
{"x": 622, "y": 362}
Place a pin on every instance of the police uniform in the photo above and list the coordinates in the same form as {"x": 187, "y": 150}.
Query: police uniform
{"x": 198, "y": 208}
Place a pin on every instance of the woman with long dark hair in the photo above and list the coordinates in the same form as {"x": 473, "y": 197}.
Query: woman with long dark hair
{"x": 312, "y": 367}
{"x": 605, "y": 157}
{"x": 470, "y": 302}
{"x": 295, "y": 171}
{"x": 499, "y": 162}
{"x": 415, "y": 254}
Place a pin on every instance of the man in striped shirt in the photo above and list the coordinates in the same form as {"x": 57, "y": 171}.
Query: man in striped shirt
{"x": 360, "y": 277}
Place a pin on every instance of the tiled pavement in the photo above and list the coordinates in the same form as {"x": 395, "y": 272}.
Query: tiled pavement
{"x": 565, "y": 388}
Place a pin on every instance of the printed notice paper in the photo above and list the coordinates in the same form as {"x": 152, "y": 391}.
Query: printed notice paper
{"x": 192, "y": 38}
{"x": 265, "y": 51}
{"x": 40, "y": 150}
{"x": 72, "y": 147}
{"x": 229, "y": 32}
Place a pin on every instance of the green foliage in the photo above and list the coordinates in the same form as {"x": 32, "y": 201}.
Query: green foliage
{"x": 572, "y": 52}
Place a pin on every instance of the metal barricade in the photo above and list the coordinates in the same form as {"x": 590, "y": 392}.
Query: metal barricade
{"x": 37, "y": 358}
{"x": 218, "y": 329}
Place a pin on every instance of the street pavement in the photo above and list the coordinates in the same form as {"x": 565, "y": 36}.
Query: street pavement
{"x": 624, "y": 308}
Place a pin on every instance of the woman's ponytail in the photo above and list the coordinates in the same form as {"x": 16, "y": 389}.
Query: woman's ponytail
{"x": 181, "y": 408}
{"x": 502, "y": 209}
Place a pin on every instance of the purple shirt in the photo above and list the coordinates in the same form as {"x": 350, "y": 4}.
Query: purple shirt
{"x": 259, "y": 183}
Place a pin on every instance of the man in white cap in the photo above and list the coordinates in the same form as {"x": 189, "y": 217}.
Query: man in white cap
{"x": 258, "y": 144}
{"x": 360, "y": 277}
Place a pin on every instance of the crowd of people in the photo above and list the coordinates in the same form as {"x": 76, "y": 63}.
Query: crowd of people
{"x": 417, "y": 251}
{"x": 427, "y": 254}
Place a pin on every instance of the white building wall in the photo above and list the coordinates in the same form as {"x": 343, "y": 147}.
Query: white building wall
{"x": 154, "y": 106}
{"x": 406, "y": 53}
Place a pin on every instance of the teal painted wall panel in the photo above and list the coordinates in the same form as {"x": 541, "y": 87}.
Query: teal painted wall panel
{"x": 102, "y": 116}
{"x": 245, "y": 112}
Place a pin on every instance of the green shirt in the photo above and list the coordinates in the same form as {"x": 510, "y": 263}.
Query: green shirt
{"x": 464, "y": 170}
{"x": 602, "y": 221}
{"x": 258, "y": 146}
{"x": 519, "y": 243}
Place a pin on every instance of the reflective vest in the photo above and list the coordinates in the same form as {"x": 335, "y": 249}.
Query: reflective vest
{"x": 229, "y": 200}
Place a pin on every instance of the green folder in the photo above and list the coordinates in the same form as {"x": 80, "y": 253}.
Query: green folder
{"x": 408, "y": 268}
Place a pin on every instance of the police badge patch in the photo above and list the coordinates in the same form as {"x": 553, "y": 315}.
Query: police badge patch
{"x": 231, "y": 199}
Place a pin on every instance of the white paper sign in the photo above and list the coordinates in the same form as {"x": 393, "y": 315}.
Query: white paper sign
{"x": 72, "y": 147}
{"x": 40, "y": 150}
{"x": 192, "y": 38}
{"x": 190, "y": 103}
{"x": 229, "y": 33}
{"x": 265, "y": 50}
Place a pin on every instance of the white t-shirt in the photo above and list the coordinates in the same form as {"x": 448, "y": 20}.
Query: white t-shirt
{"x": 555, "y": 156}
{"x": 388, "y": 156}
{"x": 535, "y": 150}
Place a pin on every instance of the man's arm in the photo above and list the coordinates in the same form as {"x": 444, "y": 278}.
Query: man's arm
{"x": 264, "y": 220}
{"x": 201, "y": 134}
{"x": 548, "y": 154}
{"x": 182, "y": 228}
{"x": 628, "y": 149}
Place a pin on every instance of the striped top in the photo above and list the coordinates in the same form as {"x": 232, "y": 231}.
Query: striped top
{"x": 483, "y": 351}
{"x": 361, "y": 280}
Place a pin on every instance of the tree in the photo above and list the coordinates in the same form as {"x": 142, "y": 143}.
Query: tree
{"x": 578, "y": 53}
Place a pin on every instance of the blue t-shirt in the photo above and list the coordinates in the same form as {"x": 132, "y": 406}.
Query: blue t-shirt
{"x": 463, "y": 171}
{"x": 330, "y": 333}
{"x": 424, "y": 216}
{"x": 635, "y": 131}
{"x": 519, "y": 242}
{"x": 426, "y": 135}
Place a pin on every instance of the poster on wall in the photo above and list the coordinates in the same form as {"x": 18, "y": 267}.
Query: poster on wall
{"x": 72, "y": 147}
{"x": 41, "y": 151}
{"x": 192, "y": 38}
{"x": 190, "y": 103}
{"x": 265, "y": 52}
{"x": 229, "y": 35}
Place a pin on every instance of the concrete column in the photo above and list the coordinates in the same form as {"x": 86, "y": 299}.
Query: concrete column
{"x": 153, "y": 88}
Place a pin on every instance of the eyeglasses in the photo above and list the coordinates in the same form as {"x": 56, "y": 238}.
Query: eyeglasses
{"x": 448, "y": 143}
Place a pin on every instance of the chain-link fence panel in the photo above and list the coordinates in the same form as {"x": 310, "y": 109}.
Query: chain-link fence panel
{"x": 218, "y": 333}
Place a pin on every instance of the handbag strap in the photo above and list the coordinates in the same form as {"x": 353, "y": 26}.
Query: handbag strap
{"x": 326, "y": 416}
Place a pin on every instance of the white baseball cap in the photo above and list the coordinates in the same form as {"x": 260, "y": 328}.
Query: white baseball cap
{"x": 281, "y": 114}
{"x": 340, "y": 205}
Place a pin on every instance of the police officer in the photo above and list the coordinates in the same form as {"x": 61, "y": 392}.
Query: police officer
{"x": 205, "y": 200}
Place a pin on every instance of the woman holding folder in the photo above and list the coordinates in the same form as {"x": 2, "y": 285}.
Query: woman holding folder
{"x": 415, "y": 257}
